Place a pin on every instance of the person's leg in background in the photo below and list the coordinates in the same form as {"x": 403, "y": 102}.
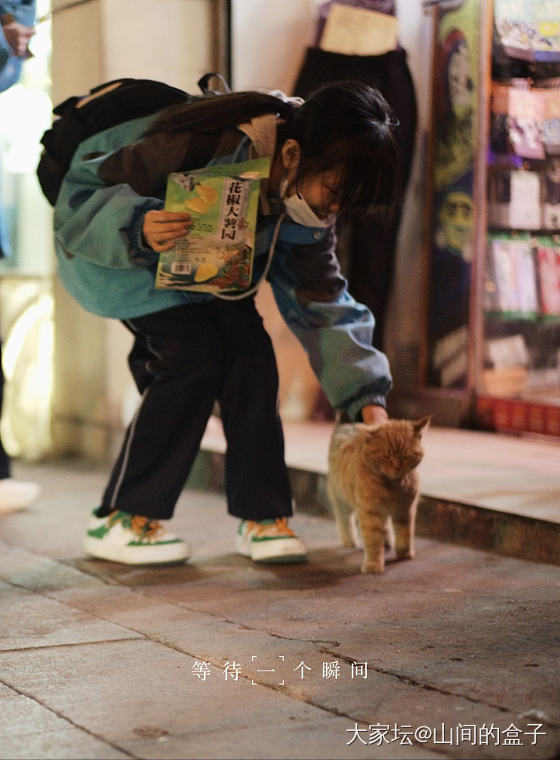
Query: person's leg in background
{"x": 14, "y": 494}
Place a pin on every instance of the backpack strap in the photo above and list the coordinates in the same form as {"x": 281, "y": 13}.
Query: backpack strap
{"x": 105, "y": 106}
{"x": 204, "y": 84}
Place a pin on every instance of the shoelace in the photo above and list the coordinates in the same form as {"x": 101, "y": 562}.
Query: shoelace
{"x": 146, "y": 528}
{"x": 279, "y": 526}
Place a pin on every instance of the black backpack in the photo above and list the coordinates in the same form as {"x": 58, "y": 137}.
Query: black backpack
{"x": 106, "y": 105}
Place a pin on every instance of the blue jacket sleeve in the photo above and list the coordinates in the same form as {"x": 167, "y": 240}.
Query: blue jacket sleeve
{"x": 23, "y": 12}
{"x": 112, "y": 191}
{"x": 336, "y": 332}
{"x": 88, "y": 212}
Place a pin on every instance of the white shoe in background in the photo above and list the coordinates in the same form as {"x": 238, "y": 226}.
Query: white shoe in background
{"x": 16, "y": 494}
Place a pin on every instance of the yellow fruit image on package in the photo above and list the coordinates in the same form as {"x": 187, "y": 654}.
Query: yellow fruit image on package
{"x": 217, "y": 253}
{"x": 205, "y": 272}
{"x": 197, "y": 205}
{"x": 207, "y": 194}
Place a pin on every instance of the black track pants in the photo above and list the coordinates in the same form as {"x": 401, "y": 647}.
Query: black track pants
{"x": 183, "y": 359}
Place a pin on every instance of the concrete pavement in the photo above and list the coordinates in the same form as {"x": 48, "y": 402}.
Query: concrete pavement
{"x": 453, "y": 654}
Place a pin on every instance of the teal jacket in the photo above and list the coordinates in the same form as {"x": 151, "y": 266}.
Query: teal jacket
{"x": 105, "y": 266}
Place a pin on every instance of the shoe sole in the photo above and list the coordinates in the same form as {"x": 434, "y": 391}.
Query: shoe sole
{"x": 134, "y": 555}
{"x": 273, "y": 552}
{"x": 21, "y": 501}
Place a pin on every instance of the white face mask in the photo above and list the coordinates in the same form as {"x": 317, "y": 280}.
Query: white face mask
{"x": 300, "y": 211}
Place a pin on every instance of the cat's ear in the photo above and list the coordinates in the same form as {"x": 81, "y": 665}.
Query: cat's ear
{"x": 422, "y": 424}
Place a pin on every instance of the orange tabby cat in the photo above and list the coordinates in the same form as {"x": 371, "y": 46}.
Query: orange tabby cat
{"x": 372, "y": 472}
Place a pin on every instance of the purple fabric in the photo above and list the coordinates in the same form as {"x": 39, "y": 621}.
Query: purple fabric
{"x": 381, "y": 6}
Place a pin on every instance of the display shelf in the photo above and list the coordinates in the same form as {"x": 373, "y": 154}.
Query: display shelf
{"x": 492, "y": 332}
{"x": 512, "y": 316}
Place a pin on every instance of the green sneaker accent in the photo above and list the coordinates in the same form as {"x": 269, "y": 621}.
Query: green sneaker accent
{"x": 123, "y": 517}
{"x": 100, "y": 532}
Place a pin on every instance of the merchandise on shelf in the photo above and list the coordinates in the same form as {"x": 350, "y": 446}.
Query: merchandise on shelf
{"x": 529, "y": 29}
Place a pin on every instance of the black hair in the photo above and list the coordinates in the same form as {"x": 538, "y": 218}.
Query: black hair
{"x": 218, "y": 112}
{"x": 346, "y": 126}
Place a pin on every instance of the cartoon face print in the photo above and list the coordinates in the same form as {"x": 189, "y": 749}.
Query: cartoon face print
{"x": 459, "y": 73}
{"x": 456, "y": 220}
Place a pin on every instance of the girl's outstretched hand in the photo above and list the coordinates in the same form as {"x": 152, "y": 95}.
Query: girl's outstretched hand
{"x": 162, "y": 228}
{"x": 374, "y": 415}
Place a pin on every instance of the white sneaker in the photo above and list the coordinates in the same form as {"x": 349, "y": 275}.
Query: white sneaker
{"x": 16, "y": 494}
{"x": 269, "y": 541}
{"x": 133, "y": 540}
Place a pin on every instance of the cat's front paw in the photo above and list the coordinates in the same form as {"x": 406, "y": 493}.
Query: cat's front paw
{"x": 373, "y": 567}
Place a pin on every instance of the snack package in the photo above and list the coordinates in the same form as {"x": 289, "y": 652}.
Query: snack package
{"x": 217, "y": 254}
{"x": 548, "y": 258}
{"x": 513, "y": 268}
{"x": 526, "y": 117}
{"x": 551, "y": 124}
{"x": 551, "y": 195}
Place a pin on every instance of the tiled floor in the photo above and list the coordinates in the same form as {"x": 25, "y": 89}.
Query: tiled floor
{"x": 505, "y": 473}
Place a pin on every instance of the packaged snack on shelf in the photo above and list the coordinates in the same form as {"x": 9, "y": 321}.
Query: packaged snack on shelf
{"x": 514, "y": 199}
{"x": 525, "y": 120}
{"x": 551, "y": 123}
{"x": 529, "y": 29}
{"x": 513, "y": 270}
{"x": 551, "y": 195}
{"x": 548, "y": 262}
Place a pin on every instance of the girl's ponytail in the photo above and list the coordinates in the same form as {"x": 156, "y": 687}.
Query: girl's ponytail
{"x": 219, "y": 112}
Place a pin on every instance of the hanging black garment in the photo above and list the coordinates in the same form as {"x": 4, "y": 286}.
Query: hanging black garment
{"x": 366, "y": 247}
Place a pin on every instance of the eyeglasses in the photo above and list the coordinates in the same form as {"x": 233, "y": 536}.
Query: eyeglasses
{"x": 327, "y": 207}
